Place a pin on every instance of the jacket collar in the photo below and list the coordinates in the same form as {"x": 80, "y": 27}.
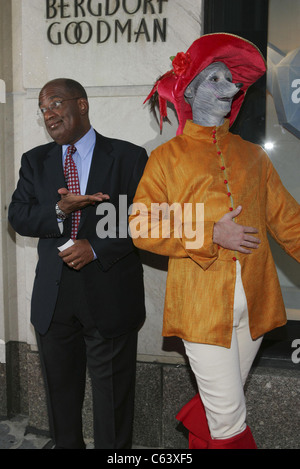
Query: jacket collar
{"x": 200, "y": 132}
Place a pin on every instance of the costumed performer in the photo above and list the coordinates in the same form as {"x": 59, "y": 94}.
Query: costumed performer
{"x": 222, "y": 294}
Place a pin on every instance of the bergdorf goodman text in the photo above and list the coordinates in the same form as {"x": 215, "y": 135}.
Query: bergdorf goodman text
{"x": 84, "y": 21}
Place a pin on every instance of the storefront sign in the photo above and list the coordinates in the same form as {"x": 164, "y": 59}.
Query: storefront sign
{"x": 84, "y": 21}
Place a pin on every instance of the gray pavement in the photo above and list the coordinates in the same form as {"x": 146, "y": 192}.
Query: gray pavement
{"x": 13, "y": 435}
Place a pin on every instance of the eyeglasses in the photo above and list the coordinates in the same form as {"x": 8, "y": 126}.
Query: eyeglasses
{"x": 54, "y": 106}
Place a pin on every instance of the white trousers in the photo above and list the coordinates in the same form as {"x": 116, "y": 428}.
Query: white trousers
{"x": 221, "y": 373}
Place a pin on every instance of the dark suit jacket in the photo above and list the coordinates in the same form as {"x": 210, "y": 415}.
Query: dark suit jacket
{"x": 114, "y": 281}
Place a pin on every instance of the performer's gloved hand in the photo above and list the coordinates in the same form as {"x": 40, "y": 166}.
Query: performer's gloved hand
{"x": 233, "y": 236}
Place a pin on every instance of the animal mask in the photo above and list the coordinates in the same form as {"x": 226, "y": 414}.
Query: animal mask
{"x": 210, "y": 94}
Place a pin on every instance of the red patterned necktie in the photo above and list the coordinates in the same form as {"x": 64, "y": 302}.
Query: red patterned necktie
{"x": 72, "y": 180}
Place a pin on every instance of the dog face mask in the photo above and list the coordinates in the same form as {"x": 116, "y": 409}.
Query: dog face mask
{"x": 210, "y": 94}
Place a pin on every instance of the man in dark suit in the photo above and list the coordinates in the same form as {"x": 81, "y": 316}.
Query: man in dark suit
{"x": 88, "y": 297}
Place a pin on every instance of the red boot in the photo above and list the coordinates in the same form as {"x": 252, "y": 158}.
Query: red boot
{"x": 193, "y": 417}
{"x": 243, "y": 440}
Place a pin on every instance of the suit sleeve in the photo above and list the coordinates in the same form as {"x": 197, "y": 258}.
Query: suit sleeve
{"x": 282, "y": 214}
{"x": 26, "y": 214}
{"x": 165, "y": 233}
{"x": 111, "y": 249}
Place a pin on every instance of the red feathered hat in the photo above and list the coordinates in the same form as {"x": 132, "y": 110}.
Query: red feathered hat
{"x": 244, "y": 60}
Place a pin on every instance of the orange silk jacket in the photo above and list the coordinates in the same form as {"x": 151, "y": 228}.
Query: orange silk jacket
{"x": 209, "y": 165}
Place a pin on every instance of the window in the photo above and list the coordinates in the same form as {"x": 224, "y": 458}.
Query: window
{"x": 270, "y": 116}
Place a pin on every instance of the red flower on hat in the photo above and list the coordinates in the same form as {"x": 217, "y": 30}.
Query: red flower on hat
{"x": 181, "y": 63}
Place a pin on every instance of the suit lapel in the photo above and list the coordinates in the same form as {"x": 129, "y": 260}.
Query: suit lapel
{"x": 54, "y": 168}
{"x": 101, "y": 166}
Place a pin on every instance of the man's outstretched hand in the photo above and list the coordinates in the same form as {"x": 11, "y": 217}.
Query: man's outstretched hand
{"x": 71, "y": 202}
{"x": 230, "y": 235}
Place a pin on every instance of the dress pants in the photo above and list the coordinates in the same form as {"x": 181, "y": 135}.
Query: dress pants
{"x": 221, "y": 372}
{"x": 71, "y": 342}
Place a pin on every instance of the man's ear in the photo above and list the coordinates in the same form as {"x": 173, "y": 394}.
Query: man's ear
{"x": 83, "y": 106}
